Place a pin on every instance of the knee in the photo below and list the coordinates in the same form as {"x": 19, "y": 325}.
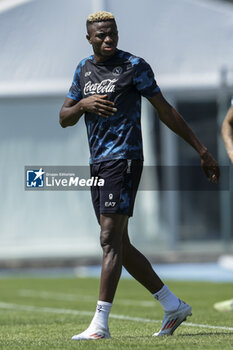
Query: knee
{"x": 108, "y": 240}
{"x": 105, "y": 238}
{"x": 112, "y": 232}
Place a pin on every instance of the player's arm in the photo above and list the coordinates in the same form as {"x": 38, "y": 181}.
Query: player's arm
{"x": 169, "y": 116}
{"x": 227, "y": 133}
{"x": 72, "y": 110}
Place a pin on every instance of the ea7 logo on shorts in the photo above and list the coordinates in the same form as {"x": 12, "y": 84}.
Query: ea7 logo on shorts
{"x": 35, "y": 178}
{"x": 110, "y": 204}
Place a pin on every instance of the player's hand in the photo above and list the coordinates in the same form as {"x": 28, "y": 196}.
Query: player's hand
{"x": 210, "y": 167}
{"x": 98, "y": 104}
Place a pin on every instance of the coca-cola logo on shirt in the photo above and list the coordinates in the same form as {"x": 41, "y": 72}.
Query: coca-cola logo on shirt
{"x": 107, "y": 85}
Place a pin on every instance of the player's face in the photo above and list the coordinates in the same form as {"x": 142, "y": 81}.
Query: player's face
{"x": 103, "y": 36}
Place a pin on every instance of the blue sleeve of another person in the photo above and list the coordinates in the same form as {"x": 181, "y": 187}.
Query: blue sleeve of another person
{"x": 75, "y": 92}
{"x": 144, "y": 78}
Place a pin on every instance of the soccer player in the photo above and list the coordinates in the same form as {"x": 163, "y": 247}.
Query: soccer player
{"x": 227, "y": 135}
{"x": 107, "y": 88}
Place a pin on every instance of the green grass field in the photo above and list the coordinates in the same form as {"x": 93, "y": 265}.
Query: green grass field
{"x": 45, "y": 313}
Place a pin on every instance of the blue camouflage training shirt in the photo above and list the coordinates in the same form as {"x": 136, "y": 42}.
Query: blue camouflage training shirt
{"x": 124, "y": 78}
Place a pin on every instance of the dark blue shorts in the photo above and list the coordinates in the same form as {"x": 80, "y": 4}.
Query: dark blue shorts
{"x": 121, "y": 179}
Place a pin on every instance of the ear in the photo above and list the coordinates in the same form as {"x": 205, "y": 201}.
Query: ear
{"x": 88, "y": 38}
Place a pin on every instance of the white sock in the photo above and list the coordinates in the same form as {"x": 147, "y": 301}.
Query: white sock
{"x": 167, "y": 299}
{"x": 100, "y": 319}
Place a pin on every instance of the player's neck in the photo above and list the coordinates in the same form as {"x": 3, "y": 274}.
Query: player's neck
{"x": 100, "y": 58}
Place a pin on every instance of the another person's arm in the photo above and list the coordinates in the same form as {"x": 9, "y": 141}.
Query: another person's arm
{"x": 227, "y": 133}
{"x": 169, "y": 116}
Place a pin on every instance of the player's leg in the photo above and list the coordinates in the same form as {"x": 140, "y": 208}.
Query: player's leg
{"x": 112, "y": 229}
{"x": 111, "y": 211}
{"x": 113, "y": 222}
{"x": 90, "y": 332}
{"x": 140, "y": 268}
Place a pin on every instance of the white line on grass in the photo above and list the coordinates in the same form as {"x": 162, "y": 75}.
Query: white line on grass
{"x": 74, "y": 297}
{"x": 16, "y": 307}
